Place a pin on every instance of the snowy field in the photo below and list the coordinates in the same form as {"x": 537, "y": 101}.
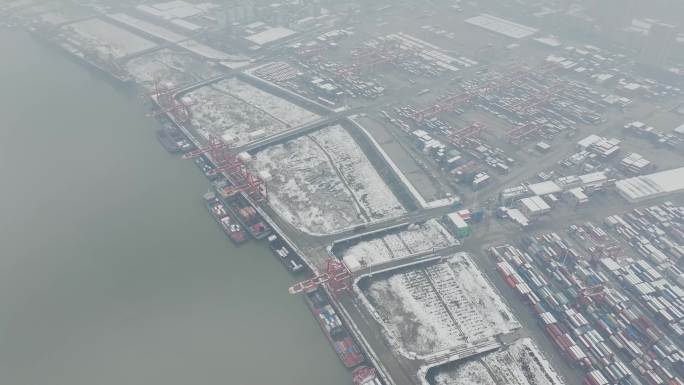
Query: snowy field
{"x": 415, "y": 239}
{"x": 439, "y": 307}
{"x": 167, "y": 65}
{"x": 95, "y": 35}
{"x": 315, "y": 186}
{"x": 55, "y": 16}
{"x": 149, "y": 28}
{"x": 210, "y": 53}
{"x": 375, "y": 197}
{"x": 232, "y": 108}
{"x": 519, "y": 364}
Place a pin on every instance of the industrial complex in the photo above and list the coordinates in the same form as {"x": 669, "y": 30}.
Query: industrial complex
{"x": 463, "y": 193}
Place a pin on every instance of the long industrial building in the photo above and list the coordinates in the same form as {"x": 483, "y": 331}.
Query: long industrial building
{"x": 650, "y": 186}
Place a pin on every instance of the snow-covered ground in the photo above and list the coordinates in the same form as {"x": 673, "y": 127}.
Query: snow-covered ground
{"x": 59, "y": 15}
{"x": 288, "y": 113}
{"x": 440, "y": 306}
{"x": 210, "y": 53}
{"x": 519, "y": 364}
{"x": 149, "y": 28}
{"x": 470, "y": 373}
{"x": 178, "y": 68}
{"x": 315, "y": 186}
{"x": 305, "y": 190}
{"x": 414, "y": 239}
{"x": 239, "y": 110}
{"x": 103, "y": 38}
{"x": 376, "y": 198}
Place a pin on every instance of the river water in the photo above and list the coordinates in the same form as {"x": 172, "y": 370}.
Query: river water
{"x": 111, "y": 269}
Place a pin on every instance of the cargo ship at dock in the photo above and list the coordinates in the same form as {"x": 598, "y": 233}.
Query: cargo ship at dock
{"x": 218, "y": 211}
{"x": 285, "y": 254}
{"x": 363, "y": 375}
{"x": 206, "y": 167}
{"x": 334, "y": 330}
{"x": 242, "y": 210}
{"x": 173, "y": 140}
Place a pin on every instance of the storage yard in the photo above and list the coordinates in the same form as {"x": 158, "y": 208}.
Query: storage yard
{"x": 241, "y": 113}
{"x": 439, "y": 307}
{"x": 400, "y": 243}
{"x": 615, "y": 316}
{"x": 486, "y": 197}
{"x": 323, "y": 182}
{"x": 521, "y": 363}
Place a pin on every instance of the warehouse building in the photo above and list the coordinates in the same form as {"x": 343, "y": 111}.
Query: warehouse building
{"x": 533, "y": 206}
{"x": 651, "y": 186}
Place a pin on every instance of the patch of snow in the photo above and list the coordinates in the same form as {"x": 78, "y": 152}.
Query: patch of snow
{"x": 149, "y": 28}
{"x": 366, "y": 184}
{"x": 440, "y": 306}
{"x": 96, "y": 35}
{"x": 241, "y": 110}
{"x": 417, "y": 238}
{"x": 178, "y": 68}
{"x": 521, "y": 363}
{"x": 304, "y": 189}
{"x": 471, "y": 373}
{"x": 289, "y": 113}
{"x": 324, "y": 183}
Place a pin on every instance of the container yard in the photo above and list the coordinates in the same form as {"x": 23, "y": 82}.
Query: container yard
{"x": 615, "y": 316}
{"x": 471, "y": 193}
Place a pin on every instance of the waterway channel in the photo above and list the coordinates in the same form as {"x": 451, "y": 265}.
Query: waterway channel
{"x": 111, "y": 270}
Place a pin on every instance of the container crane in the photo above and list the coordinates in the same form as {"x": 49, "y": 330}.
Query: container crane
{"x": 179, "y": 110}
{"x": 229, "y": 164}
{"x": 336, "y": 277}
{"x": 217, "y": 150}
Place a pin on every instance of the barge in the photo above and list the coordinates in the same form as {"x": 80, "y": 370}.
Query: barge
{"x": 334, "y": 330}
{"x": 285, "y": 254}
{"x": 173, "y": 140}
{"x": 218, "y": 211}
{"x": 206, "y": 167}
{"x": 363, "y": 375}
{"x": 242, "y": 210}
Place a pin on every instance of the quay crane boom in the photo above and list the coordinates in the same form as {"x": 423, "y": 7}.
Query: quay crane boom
{"x": 336, "y": 277}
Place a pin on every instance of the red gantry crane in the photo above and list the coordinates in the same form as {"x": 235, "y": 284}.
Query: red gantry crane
{"x": 229, "y": 164}
{"x": 450, "y": 102}
{"x": 588, "y": 294}
{"x": 217, "y": 150}
{"x": 162, "y": 92}
{"x": 460, "y": 136}
{"x": 179, "y": 110}
{"x": 336, "y": 277}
